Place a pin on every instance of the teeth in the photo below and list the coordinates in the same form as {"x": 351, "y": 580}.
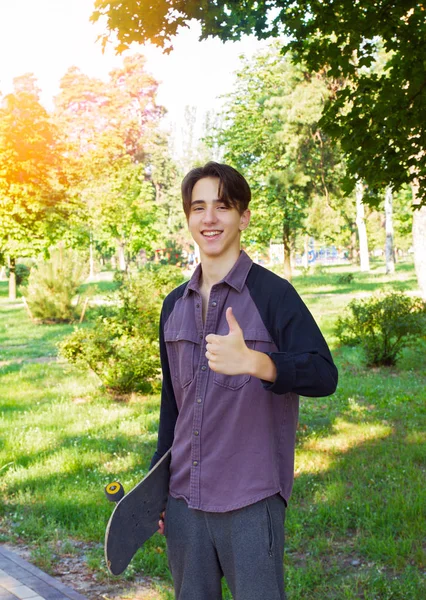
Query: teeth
{"x": 211, "y": 233}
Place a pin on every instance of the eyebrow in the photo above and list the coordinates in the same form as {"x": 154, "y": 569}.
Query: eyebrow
{"x": 201, "y": 201}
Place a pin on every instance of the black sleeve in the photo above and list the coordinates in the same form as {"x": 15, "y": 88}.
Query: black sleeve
{"x": 303, "y": 361}
{"x": 168, "y": 408}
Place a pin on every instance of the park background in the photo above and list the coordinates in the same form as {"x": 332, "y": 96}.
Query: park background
{"x": 92, "y": 236}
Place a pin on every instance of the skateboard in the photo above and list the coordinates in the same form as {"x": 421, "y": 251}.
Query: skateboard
{"x": 136, "y": 515}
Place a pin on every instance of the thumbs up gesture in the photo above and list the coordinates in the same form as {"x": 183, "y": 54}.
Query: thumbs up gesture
{"x": 229, "y": 354}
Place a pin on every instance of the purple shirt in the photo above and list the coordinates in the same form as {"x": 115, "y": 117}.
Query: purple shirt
{"x": 234, "y": 438}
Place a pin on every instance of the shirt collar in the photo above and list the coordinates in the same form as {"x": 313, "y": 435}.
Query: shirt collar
{"x": 236, "y": 277}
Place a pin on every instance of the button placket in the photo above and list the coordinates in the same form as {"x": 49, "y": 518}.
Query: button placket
{"x": 200, "y": 393}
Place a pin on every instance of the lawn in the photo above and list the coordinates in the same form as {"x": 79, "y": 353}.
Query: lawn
{"x": 356, "y": 522}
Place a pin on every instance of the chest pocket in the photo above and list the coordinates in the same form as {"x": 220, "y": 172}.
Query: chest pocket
{"x": 257, "y": 339}
{"x": 181, "y": 347}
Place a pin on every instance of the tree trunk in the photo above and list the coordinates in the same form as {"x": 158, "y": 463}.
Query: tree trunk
{"x": 362, "y": 231}
{"x": 389, "y": 249}
{"x": 419, "y": 241}
{"x": 353, "y": 252}
{"x": 287, "y": 251}
{"x": 12, "y": 278}
{"x": 305, "y": 262}
{"x": 91, "y": 261}
{"x": 121, "y": 255}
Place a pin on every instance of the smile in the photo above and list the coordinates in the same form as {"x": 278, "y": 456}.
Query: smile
{"x": 211, "y": 233}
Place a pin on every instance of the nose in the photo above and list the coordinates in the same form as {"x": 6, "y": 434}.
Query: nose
{"x": 210, "y": 215}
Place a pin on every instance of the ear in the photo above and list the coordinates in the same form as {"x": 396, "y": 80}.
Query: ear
{"x": 245, "y": 220}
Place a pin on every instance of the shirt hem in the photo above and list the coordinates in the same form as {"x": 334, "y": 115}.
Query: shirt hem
{"x": 222, "y": 509}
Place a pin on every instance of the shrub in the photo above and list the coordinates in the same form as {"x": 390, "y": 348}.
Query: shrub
{"x": 122, "y": 348}
{"x": 382, "y": 325}
{"x": 22, "y": 272}
{"x": 345, "y": 278}
{"x": 53, "y": 285}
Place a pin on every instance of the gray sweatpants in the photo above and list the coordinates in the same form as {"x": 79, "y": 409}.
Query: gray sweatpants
{"x": 246, "y": 546}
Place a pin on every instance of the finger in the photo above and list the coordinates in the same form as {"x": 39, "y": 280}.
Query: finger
{"x": 232, "y": 321}
{"x": 209, "y": 356}
{"x": 161, "y": 524}
{"x": 212, "y": 337}
{"x": 212, "y": 365}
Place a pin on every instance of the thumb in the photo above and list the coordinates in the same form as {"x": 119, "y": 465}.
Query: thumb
{"x": 232, "y": 321}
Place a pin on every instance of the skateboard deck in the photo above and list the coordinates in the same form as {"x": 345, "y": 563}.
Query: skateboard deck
{"x": 135, "y": 517}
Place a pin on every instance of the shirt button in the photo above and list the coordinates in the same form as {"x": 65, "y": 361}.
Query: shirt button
{"x": 203, "y": 368}
{"x": 197, "y": 306}
{"x": 214, "y": 303}
{"x": 201, "y": 336}
{"x": 196, "y": 432}
{"x": 199, "y": 400}
{"x": 195, "y": 463}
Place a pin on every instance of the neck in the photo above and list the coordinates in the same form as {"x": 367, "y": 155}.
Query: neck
{"x": 214, "y": 270}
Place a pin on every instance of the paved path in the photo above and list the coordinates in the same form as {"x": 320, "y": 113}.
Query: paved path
{"x": 19, "y": 580}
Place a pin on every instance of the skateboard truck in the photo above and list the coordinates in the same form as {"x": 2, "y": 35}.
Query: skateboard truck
{"x": 114, "y": 491}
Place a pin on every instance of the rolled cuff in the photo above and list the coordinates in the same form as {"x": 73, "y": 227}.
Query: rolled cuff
{"x": 286, "y": 374}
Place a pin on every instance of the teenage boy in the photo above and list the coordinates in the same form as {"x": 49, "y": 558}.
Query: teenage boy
{"x": 237, "y": 347}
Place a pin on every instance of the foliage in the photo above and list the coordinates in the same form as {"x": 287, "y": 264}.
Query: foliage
{"x": 122, "y": 347}
{"x": 378, "y": 111}
{"x": 383, "y": 325}
{"x": 53, "y": 285}
{"x": 270, "y": 132}
{"x": 112, "y": 139}
{"x": 345, "y": 278}
{"x": 124, "y": 209}
{"x": 33, "y": 205}
{"x": 22, "y": 273}
{"x": 166, "y": 179}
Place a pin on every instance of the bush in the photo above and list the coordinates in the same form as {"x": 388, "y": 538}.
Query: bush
{"x": 382, "y": 325}
{"x": 122, "y": 348}
{"x": 22, "y": 273}
{"x": 345, "y": 278}
{"x": 53, "y": 285}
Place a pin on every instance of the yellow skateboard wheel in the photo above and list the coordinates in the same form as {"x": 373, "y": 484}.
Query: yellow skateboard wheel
{"x": 114, "y": 491}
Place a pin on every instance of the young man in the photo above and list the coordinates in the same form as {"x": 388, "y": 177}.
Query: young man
{"x": 237, "y": 346}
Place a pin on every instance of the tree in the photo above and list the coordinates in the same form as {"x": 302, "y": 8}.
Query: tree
{"x": 111, "y": 132}
{"x": 123, "y": 206}
{"x": 270, "y": 132}
{"x": 379, "y": 117}
{"x": 362, "y": 231}
{"x": 166, "y": 178}
{"x": 341, "y": 36}
{"x": 389, "y": 249}
{"x": 32, "y": 182}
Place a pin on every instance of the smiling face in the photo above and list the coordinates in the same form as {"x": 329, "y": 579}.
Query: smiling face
{"x": 214, "y": 226}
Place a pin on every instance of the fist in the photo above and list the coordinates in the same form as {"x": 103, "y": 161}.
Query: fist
{"x": 228, "y": 354}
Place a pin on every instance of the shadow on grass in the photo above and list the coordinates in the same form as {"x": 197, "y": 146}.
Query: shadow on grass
{"x": 99, "y": 287}
{"x": 356, "y": 528}
{"x": 4, "y": 289}
{"x": 14, "y": 339}
{"x": 365, "y": 506}
{"x": 317, "y": 286}
{"x": 91, "y": 444}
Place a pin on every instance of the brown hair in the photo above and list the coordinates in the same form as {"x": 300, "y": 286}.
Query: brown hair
{"x": 234, "y": 191}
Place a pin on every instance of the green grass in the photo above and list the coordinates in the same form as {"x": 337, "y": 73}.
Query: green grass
{"x": 355, "y": 526}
